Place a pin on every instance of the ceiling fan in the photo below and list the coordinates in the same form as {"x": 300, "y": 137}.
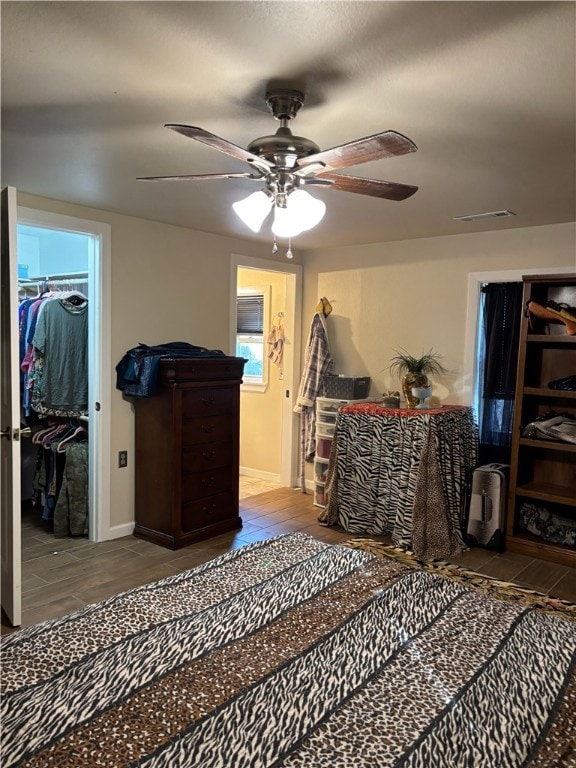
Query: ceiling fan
{"x": 286, "y": 163}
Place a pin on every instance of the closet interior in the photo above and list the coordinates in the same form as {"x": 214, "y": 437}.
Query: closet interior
{"x": 53, "y": 355}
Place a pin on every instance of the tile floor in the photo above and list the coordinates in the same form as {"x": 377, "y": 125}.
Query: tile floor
{"x": 252, "y": 486}
{"x": 61, "y": 575}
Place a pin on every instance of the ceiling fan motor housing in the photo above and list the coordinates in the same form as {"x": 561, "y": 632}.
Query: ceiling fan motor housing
{"x": 284, "y": 103}
{"x": 283, "y": 148}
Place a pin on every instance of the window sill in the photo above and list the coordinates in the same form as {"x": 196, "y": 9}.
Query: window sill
{"x": 252, "y": 386}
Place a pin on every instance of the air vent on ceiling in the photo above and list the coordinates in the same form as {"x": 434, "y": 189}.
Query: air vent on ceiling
{"x": 481, "y": 216}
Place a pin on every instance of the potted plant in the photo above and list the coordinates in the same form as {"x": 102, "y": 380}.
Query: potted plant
{"x": 413, "y": 371}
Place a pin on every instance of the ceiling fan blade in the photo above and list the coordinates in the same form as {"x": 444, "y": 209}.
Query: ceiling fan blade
{"x": 199, "y": 134}
{"x": 377, "y": 147}
{"x": 200, "y": 177}
{"x": 388, "y": 190}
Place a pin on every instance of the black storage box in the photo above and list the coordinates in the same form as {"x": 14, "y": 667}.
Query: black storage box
{"x": 346, "y": 387}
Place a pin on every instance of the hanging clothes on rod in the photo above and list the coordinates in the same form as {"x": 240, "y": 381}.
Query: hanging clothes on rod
{"x": 61, "y": 478}
{"x": 54, "y": 353}
{"x": 33, "y": 287}
{"x": 53, "y": 336}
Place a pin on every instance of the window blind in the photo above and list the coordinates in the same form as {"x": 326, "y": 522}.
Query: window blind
{"x": 250, "y": 314}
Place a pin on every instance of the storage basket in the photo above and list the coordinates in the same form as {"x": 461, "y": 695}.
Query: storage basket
{"x": 326, "y": 405}
{"x": 320, "y": 470}
{"x": 346, "y": 387}
{"x": 325, "y": 430}
{"x": 319, "y": 495}
{"x": 323, "y": 447}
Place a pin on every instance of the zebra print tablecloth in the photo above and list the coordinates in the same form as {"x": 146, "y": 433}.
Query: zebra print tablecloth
{"x": 292, "y": 652}
{"x": 403, "y": 472}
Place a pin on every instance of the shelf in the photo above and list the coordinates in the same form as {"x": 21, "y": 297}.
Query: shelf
{"x": 526, "y": 543}
{"x": 546, "y": 338}
{"x": 550, "y": 445}
{"x": 546, "y": 392}
{"x": 547, "y": 492}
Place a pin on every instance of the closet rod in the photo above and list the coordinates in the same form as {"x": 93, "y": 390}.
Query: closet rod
{"x": 39, "y": 283}
{"x": 61, "y": 276}
{"x": 67, "y": 280}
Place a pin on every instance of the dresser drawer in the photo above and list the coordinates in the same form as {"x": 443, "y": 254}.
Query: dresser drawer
{"x": 206, "y": 429}
{"x": 202, "y": 369}
{"x": 200, "y": 484}
{"x": 197, "y": 458}
{"x": 196, "y": 402}
{"x": 200, "y": 514}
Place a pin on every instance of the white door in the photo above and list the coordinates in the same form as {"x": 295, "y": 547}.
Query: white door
{"x": 10, "y": 416}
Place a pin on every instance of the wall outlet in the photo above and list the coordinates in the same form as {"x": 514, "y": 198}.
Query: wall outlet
{"x": 122, "y": 458}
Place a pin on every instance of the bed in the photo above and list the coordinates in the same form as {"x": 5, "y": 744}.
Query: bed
{"x": 293, "y": 652}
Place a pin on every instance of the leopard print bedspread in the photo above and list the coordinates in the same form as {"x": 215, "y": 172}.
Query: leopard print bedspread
{"x": 292, "y": 652}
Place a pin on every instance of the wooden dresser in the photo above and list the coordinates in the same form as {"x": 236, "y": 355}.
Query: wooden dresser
{"x": 187, "y": 452}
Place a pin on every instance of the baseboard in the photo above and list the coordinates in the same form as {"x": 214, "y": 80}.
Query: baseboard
{"x": 118, "y": 531}
{"x": 310, "y": 486}
{"x": 272, "y": 477}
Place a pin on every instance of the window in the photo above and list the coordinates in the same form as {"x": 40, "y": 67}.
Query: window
{"x": 250, "y": 308}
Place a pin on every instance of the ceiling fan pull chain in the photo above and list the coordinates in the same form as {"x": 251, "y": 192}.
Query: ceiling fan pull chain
{"x": 274, "y": 245}
{"x": 289, "y": 251}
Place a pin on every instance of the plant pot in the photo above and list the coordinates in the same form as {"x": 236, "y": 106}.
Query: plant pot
{"x": 422, "y": 393}
{"x": 410, "y": 380}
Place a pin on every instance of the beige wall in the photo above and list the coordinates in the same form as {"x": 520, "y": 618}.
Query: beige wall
{"x": 413, "y": 295}
{"x": 168, "y": 284}
{"x": 261, "y": 411}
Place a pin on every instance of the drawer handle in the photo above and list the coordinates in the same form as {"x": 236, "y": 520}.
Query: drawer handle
{"x": 209, "y": 454}
{"x": 208, "y": 401}
{"x": 208, "y": 509}
{"x": 208, "y": 428}
{"x": 208, "y": 481}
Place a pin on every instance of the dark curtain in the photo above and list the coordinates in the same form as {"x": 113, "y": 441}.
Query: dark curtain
{"x": 501, "y": 312}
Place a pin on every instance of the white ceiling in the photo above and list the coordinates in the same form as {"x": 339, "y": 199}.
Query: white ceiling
{"x": 485, "y": 89}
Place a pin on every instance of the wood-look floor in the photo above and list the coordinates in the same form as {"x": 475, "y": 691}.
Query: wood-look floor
{"x": 61, "y": 575}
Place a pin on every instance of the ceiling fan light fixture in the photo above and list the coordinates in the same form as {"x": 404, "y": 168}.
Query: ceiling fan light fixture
{"x": 300, "y": 213}
{"x": 252, "y": 210}
{"x": 285, "y": 224}
{"x": 309, "y": 210}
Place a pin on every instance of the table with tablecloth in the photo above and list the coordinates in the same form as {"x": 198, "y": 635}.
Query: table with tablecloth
{"x": 402, "y": 472}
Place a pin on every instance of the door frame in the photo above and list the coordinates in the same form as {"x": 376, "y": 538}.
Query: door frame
{"x": 99, "y": 369}
{"x": 292, "y": 346}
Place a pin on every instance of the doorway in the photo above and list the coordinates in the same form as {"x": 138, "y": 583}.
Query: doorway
{"x": 284, "y": 282}
{"x": 66, "y": 252}
{"x": 98, "y": 393}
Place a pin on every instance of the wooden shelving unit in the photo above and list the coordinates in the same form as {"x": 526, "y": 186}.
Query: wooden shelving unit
{"x": 543, "y": 472}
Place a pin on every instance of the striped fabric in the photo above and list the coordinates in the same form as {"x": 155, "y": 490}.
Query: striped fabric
{"x": 292, "y": 652}
{"x": 404, "y": 473}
